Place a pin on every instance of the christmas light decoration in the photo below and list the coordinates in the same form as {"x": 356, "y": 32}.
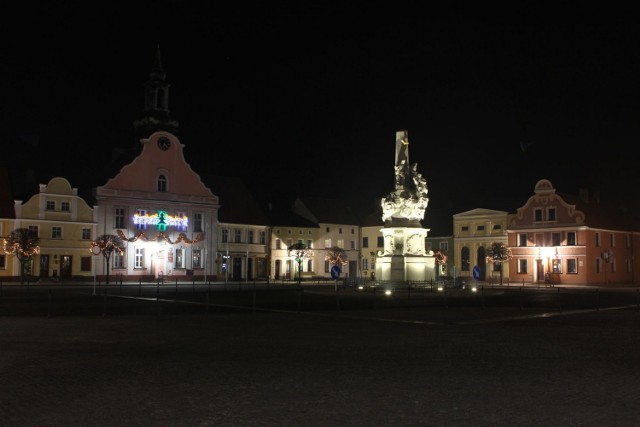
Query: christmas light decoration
{"x": 182, "y": 237}
{"x": 161, "y": 219}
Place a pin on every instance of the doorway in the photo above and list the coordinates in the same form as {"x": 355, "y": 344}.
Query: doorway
{"x": 44, "y": 265}
{"x": 65, "y": 265}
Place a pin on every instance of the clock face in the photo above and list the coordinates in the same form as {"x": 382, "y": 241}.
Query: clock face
{"x": 164, "y": 143}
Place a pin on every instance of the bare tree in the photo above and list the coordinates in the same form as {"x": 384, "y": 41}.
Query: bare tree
{"x": 108, "y": 244}
{"x": 499, "y": 253}
{"x": 299, "y": 252}
{"x": 24, "y": 244}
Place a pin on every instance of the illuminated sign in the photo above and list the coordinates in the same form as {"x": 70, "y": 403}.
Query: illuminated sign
{"x": 161, "y": 220}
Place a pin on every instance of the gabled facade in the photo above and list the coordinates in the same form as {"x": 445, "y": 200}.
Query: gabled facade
{"x": 65, "y": 225}
{"x": 337, "y": 227}
{"x": 474, "y": 232}
{"x": 164, "y": 212}
{"x": 563, "y": 239}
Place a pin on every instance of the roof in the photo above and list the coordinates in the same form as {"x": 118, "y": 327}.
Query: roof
{"x": 237, "y": 204}
{"x": 328, "y": 211}
{"x": 604, "y": 214}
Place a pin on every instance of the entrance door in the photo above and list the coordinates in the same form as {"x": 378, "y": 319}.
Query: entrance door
{"x": 237, "y": 269}
{"x": 44, "y": 265}
{"x": 65, "y": 265}
{"x": 276, "y": 275}
{"x": 539, "y": 270}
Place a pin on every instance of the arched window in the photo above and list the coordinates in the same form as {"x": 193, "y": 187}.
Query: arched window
{"x": 464, "y": 259}
{"x": 162, "y": 184}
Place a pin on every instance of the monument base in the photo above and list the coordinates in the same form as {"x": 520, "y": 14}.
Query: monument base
{"x": 403, "y": 268}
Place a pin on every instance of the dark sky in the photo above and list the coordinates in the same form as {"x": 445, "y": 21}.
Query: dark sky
{"x": 319, "y": 93}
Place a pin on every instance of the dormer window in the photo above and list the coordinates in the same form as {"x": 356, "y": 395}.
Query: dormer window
{"x": 162, "y": 184}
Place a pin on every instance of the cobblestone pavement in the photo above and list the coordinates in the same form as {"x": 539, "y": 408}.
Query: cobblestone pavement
{"x": 383, "y": 366}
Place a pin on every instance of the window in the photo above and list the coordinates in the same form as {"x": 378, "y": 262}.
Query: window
{"x": 444, "y": 246}
{"x": 365, "y": 242}
{"x": 353, "y": 231}
{"x": 340, "y": 230}
{"x": 119, "y": 218}
{"x": 551, "y": 214}
{"x": 86, "y": 234}
{"x": 464, "y": 259}
{"x": 326, "y": 267}
{"x": 327, "y": 243}
{"x": 522, "y": 266}
{"x": 612, "y": 240}
{"x": 572, "y": 266}
{"x": 627, "y": 240}
{"x": 141, "y": 225}
{"x": 250, "y": 236}
{"x": 537, "y": 215}
{"x": 597, "y": 238}
{"x": 51, "y": 205}
{"x": 571, "y": 238}
{"x": 162, "y": 184}
{"x": 118, "y": 260}
{"x": 556, "y": 265}
{"x": 310, "y": 244}
{"x": 3, "y": 261}
{"x": 65, "y": 207}
{"x": 464, "y": 228}
{"x": 309, "y": 265}
{"x": 237, "y": 235}
{"x": 300, "y": 242}
{"x": 263, "y": 237}
{"x": 56, "y": 232}
{"x": 352, "y": 245}
{"x": 522, "y": 239}
{"x": 555, "y": 239}
{"x": 497, "y": 227}
{"x": 33, "y": 231}
{"x": 278, "y": 244}
{"x": 380, "y": 242}
{"x": 480, "y": 228}
{"x": 340, "y": 243}
{"x": 197, "y": 258}
{"x": 365, "y": 263}
{"x": 598, "y": 265}
{"x": 179, "y": 258}
{"x": 429, "y": 246}
{"x": 197, "y": 222}
{"x": 289, "y": 243}
{"x": 85, "y": 263}
{"x": 328, "y": 229}
{"x": 139, "y": 258}
{"x": 225, "y": 236}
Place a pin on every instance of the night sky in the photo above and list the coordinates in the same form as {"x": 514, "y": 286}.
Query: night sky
{"x": 493, "y": 101}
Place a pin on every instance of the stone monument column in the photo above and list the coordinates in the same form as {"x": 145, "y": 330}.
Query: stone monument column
{"x": 404, "y": 256}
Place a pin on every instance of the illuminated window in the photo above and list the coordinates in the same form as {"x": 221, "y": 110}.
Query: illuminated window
{"x": 162, "y": 184}
{"x": 556, "y": 265}
{"x": 327, "y": 243}
{"x": 197, "y": 258}
{"x": 51, "y": 206}
{"x": 118, "y": 260}
{"x": 65, "y": 207}
{"x": 572, "y": 266}
{"x": 119, "y": 218}
{"x": 139, "y": 258}
{"x": 86, "y": 234}
{"x": 56, "y": 232}
{"x": 179, "y": 258}
{"x": 182, "y": 224}
{"x": 340, "y": 243}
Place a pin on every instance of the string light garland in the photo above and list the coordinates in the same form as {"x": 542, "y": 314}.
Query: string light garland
{"x": 182, "y": 237}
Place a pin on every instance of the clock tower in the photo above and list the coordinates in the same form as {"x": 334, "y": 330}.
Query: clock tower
{"x": 155, "y": 115}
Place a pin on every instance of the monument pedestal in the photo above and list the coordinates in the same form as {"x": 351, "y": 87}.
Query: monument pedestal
{"x": 403, "y": 268}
